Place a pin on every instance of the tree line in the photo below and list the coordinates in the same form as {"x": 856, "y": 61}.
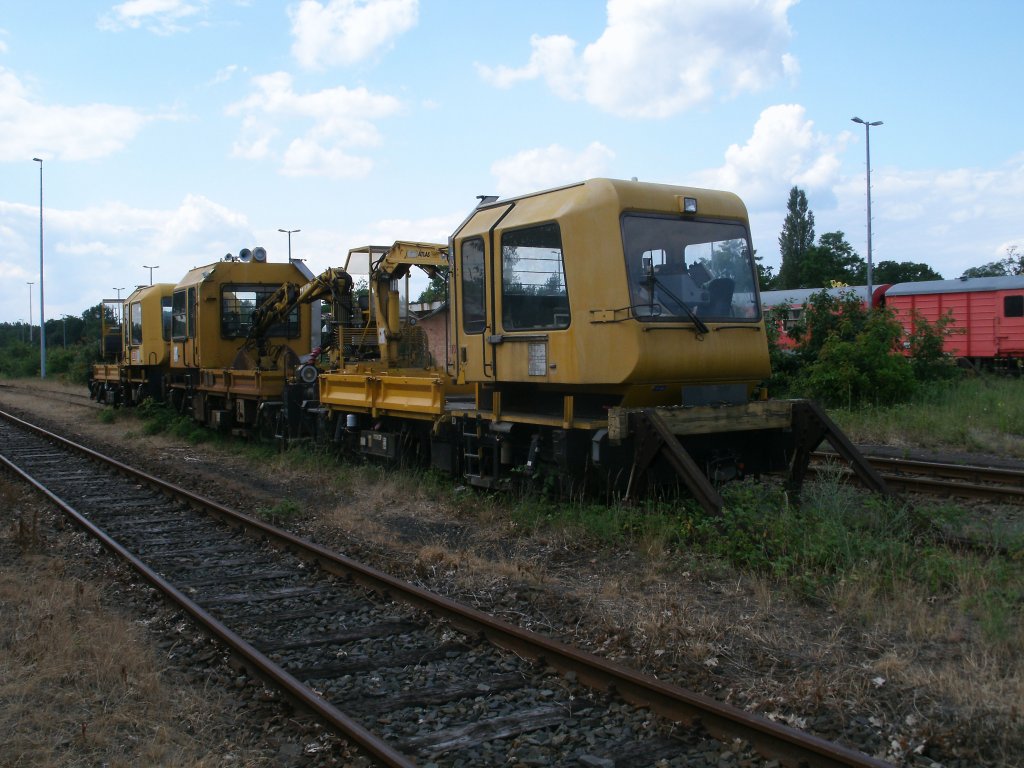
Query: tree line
{"x": 832, "y": 261}
{"x": 72, "y": 346}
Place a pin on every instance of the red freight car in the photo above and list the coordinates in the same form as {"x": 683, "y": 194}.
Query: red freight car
{"x": 795, "y": 300}
{"x": 987, "y": 312}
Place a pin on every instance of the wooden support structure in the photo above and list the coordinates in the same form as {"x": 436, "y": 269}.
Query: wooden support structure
{"x": 795, "y": 428}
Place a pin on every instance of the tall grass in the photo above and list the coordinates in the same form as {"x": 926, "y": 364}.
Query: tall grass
{"x": 981, "y": 413}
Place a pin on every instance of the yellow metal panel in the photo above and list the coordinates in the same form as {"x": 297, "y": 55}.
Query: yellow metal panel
{"x": 414, "y": 394}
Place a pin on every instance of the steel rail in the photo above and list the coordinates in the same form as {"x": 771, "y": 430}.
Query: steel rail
{"x": 771, "y": 739}
{"x": 938, "y": 478}
{"x": 251, "y": 658}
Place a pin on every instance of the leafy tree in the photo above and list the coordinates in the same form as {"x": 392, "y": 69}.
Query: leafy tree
{"x": 900, "y": 272}
{"x": 832, "y": 260}
{"x": 825, "y": 315}
{"x": 867, "y": 368}
{"x": 1012, "y": 264}
{"x": 766, "y": 276}
{"x": 437, "y": 290}
{"x": 927, "y": 358}
{"x": 795, "y": 240}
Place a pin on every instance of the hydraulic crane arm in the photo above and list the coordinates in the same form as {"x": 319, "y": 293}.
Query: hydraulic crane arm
{"x": 333, "y": 282}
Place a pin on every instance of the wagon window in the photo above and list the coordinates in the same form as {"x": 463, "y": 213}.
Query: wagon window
{"x": 533, "y": 290}
{"x": 179, "y": 328}
{"x": 678, "y": 268}
{"x": 136, "y": 325}
{"x": 165, "y": 316}
{"x": 1013, "y": 306}
{"x": 237, "y": 303}
{"x": 473, "y": 319}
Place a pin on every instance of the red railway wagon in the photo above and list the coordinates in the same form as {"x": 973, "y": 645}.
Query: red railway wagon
{"x": 795, "y": 299}
{"x": 987, "y": 312}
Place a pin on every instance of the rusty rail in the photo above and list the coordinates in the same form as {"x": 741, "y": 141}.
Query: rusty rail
{"x": 771, "y": 739}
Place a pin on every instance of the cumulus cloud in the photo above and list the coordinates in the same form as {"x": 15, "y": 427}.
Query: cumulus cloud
{"x": 82, "y": 132}
{"x": 783, "y": 150}
{"x": 162, "y": 17}
{"x": 106, "y": 245}
{"x": 657, "y": 58}
{"x": 545, "y": 167}
{"x": 343, "y": 32}
{"x": 339, "y": 120}
{"x": 951, "y": 219}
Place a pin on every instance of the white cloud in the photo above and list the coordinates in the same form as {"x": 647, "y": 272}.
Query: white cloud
{"x": 340, "y": 119}
{"x": 82, "y": 132}
{"x": 95, "y": 248}
{"x": 225, "y": 74}
{"x": 657, "y": 58}
{"x": 307, "y": 158}
{"x": 545, "y": 167}
{"x": 784, "y": 150}
{"x": 162, "y": 17}
{"x": 951, "y": 219}
{"x": 343, "y": 32}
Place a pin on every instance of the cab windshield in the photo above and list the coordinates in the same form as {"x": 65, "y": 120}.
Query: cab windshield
{"x": 683, "y": 269}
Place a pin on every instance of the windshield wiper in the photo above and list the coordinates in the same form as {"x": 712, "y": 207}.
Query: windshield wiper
{"x": 690, "y": 314}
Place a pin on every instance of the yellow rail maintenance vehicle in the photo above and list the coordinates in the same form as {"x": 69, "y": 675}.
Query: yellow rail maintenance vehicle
{"x": 607, "y": 330}
{"x": 136, "y": 335}
{"x": 227, "y": 370}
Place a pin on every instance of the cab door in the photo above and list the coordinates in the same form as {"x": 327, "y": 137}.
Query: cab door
{"x": 473, "y": 321}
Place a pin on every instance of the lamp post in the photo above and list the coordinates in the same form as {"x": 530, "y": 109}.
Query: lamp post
{"x": 289, "y": 233}
{"x": 150, "y": 274}
{"x": 42, "y": 311}
{"x": 867, "y": 149}
{"x": 121, "y": 289}
{"x": 30, "y": 312}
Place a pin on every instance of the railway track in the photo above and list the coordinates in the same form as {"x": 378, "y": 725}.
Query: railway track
{"x": 996, "y": 484}
{"x": 1001, "y": 485}
{"x": 407, "y": 675}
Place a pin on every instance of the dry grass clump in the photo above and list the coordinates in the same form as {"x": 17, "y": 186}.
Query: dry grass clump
{"x": 79, "y": 685}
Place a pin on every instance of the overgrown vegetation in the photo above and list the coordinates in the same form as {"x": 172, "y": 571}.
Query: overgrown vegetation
{"x": 845, "y": 355}
{"x": 160, "y": 418}
{"x": 72, "y": 346}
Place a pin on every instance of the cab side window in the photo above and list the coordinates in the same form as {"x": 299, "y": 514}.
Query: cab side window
{"x": 179, "y": 310}
{"x": 534, "y": 295}
{"x": 473, "y": 318}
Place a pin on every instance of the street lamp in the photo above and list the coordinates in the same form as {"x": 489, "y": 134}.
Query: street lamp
{"x": 867, "y": 149}
{"x": 42, "y": 312}
{"x": 150, "y": 275}
{"x": 289, "y": 233}
{"x": 121, "y": 289}
{"x": 30, "y": 312}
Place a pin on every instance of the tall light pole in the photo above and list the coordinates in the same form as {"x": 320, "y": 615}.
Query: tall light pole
{"x": 867, "y": 149}
{"x": 30, "y": 311}
{"x": 150, "y": 275}
{"x": 42, "y": 312}
{"x": 289, "y": 233}
{"x": 121, "y": 289}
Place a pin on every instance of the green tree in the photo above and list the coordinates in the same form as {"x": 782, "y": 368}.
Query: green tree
{"x": 437, "y": 290}
{"x": 868, "y": 367}
{"x": 900, "y": 272}
{"x": 1012, "y": 264}
{"x": 795, "y": 240}
{"x": 832, "y": 260}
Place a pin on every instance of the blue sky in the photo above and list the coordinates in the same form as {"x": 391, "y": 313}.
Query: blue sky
{"x": 175, "y": 131}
